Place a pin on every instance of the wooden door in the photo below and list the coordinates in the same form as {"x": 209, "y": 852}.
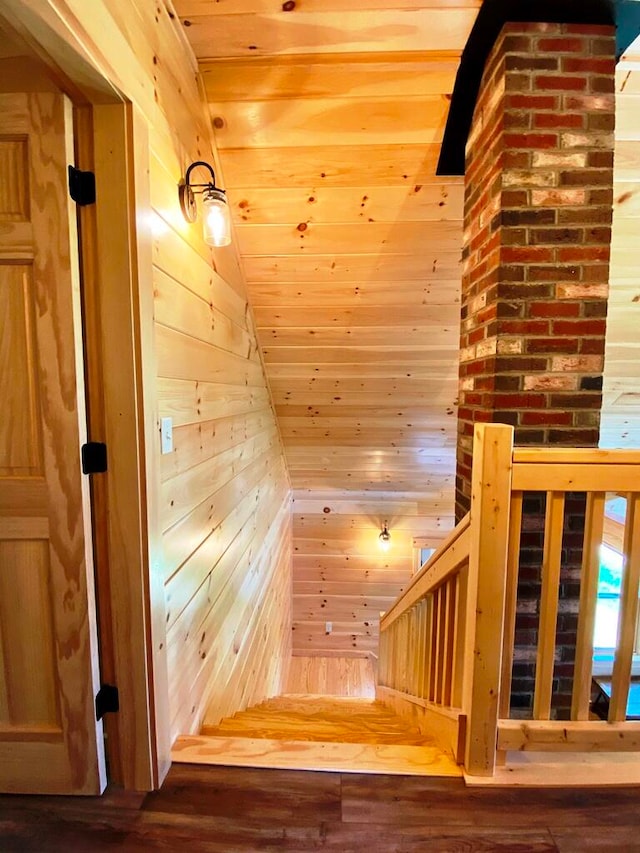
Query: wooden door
{"x": 49, "y": 739}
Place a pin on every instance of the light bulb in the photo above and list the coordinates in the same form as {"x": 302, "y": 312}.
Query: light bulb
{"x": 216, "y": 221}
{"x": 384, "y": 539}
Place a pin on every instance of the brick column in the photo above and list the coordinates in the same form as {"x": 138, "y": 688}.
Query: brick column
{"x": 538, "y": 197}
{"x": 538, "y": 206}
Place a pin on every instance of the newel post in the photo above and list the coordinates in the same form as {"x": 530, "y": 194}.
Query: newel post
{"x": 490, "y": 506}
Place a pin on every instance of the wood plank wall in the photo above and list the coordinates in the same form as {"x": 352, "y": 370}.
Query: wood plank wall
{"x": 340, "y": 574}
{"x": 328, "y": 118}
{"x": 224, "y": 505}
{"x": 620, "y": 423}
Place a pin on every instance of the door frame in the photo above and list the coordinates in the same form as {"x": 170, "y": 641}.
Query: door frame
{"x": 116, "y": 251}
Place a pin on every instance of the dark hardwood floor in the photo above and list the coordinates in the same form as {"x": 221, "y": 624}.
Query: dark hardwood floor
{"x": 230, "y": 809}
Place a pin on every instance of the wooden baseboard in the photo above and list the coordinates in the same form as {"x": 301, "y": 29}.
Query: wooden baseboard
{"x": 566, "y": 770}
{"x": 446, "y": 725}
{"x": 562, "y": 736}
{"x": 333, "y": 653}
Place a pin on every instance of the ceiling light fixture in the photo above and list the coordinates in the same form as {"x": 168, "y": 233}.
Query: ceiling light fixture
{"x": 216, "y": 224}
{"x": 384, "y": 539}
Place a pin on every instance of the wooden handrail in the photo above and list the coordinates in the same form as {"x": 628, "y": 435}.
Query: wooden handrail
{"x": 449, "y": 639}
{"x": 447, "y": 559}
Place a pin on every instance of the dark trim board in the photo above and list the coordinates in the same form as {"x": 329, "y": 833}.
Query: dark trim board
{"x": 493, "y": 15}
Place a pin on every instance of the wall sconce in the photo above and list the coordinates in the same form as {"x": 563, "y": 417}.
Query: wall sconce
{"x": 216, "y": 224}
{"x": 384, "y": 539}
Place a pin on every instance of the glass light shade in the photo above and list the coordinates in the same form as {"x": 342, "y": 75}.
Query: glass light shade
{"x": 216, "y": 220}
{"x": 384, "y": 539}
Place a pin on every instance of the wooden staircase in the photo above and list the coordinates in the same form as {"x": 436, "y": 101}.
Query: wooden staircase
{"x": 308, "y": 732}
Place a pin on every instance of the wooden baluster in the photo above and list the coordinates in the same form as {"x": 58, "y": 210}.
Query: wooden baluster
{"x": 511, "y": 598}
{"x": 421, "y": 648}
{"x": 627, "y": 621}
{"x": 440, "y": 639}
{"x": 428, "y": 648}
{"x": 490, "y": 508}
{"x": 449, "y": 632}
{"x": 382, "y": 657}
{"x": 404, "y": 668}
{"x": 510, "y": 610}
{"x": 459, "y": 651}
{"x": 433, "y": 668}
{"x": 594, "y": 523}
{"x": 412, "y": 651}
{"x": 393, "y": 671}
{"x": 553, "y": 530}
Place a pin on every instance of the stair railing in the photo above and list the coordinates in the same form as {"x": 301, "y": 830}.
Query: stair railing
{"x": 440, "y": 643}
{"x": 447, "y": 644}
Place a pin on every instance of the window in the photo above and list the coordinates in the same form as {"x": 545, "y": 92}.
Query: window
{"x": 608, "y": 604}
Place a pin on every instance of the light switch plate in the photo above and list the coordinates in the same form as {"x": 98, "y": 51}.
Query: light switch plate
{"x": 166, "y": 435}
{"x": 328, "y": 627}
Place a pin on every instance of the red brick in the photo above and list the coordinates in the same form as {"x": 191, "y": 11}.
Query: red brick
{"x": 588, "y": 65}
{"x": 534, "y": 254}
{"x": 515, "y": 198}
{"x": 488, "y": 313}
{"x": 546, "y": 418}
{"x": 590, "y": 29}
{"x": 568, "y": 120}
{"x": 531, "y": 102}
{"x": 560, "y": 84}
{"x": 588, "y": 103}
{"x": 575, "y": 401}
{"x": 579, "y": 328}
{"x": 541, "y": 141}
{"x": 601, "y": 122}
{"x": 603, "y": 46}
{"x": 517, "y": 44}
{"x": 583, "y": 253}
{"x": 531, "y": 63}
{"x": 602, "y": 85}
{"x": 585, "y": 177}
{"x": 554, "y": 309}
{"x": 524, "y": 327}
{"x": 517, "y": 121}
{"x": 561, "y": 45}
{"x": 485, "y": 383}
{"x": 517, "y": 159}
{"x": 592, "y": 346}
{"x": 520, "y": 401}
{"x": 551, "y": 345}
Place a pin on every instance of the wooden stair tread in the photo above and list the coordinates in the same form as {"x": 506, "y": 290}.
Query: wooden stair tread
{"x": 327, "y": 734}
{"x": 307, "y": 732}
{"x": 302, "y": 755}
{"x": 314, "y": 719}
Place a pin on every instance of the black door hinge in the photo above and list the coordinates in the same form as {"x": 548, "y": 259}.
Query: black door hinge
{"x": 107, "y": 701}
{"x": 94, "y": 457}
{"x": 82, "y": 186}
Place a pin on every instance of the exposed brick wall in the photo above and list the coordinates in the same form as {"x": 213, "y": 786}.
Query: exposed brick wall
{"x": 538, "y": 203}
{"x": 538, "y": 206}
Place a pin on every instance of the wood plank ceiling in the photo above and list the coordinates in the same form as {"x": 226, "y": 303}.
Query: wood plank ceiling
{"x": 328, "y": 120}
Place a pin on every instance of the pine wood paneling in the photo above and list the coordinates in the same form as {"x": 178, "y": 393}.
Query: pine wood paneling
{"x": 223, "y": 502}
{"x": 321, "y": 76}
{"x": 205, "y": 366}
{"x": 341, "y": 575}
{"x": 621, "y": 391}
{"x": 385, "y": 120}
{"x": 428, "y": 203}
{"x": 333, "y": 31}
